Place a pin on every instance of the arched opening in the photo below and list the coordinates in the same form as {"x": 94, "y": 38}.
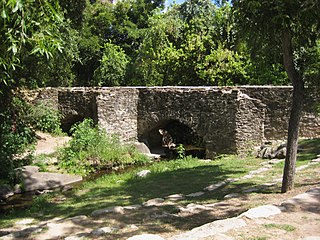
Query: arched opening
{"x": 180, "y": 133}
{"x": 67, "y": 122}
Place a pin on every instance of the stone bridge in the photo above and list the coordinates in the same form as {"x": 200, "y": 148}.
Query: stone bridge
{"x": 218, "y": 119}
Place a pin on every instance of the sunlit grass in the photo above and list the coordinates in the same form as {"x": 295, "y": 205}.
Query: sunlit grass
{"x": 183, "y": 176}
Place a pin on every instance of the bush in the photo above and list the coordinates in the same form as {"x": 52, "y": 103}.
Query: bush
{"x": 46, "y": 118}
{"x": 16, "y": 134}
{"x": 91, "y": 149}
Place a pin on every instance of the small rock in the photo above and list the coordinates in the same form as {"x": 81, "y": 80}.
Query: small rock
{"x": 213, "y": 187}
{"x": 102, "y": 231}
{"x": 74, "y": 238}
{"x": 280, "y": 153}
{"x": 221, "y": 236}
{"x": 196, "y": 194}
{"x": 79, "y": 219}
{"x": 161, "y": 215}
{"x": 100, "y": 212}
{"x": 133, "y": 227}
{"x": 142, "y": 147}
{"x": 209, "y": 230}
{"x": 146, "y": 237}
{"x": 25, "y": 221}
{"x": 301, "y": 167}
{"x": 132, "y": 207}
{"x": 143, "y": 173}
{"x": 153, "y": 202}
{"x": 175, "y": 197}
{"x": 17, "y": 189}
{"x": 315, "y": 160}
{"x": 250, "y": 190}
{"x": 5, "y": 192}
{"x": 311, "y": 238}
{"x": 205, "y": 160}
{"x": 262, "y": 212}
{"x": 231, "y": 195}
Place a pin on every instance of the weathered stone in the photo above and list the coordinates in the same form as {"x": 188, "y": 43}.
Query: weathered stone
{"x": 142, "y": 147}
{"x": 75, "y": 238}
{"x": 250, "y": 190}
{"x": 132, "y": 207}
{"x": 100, "y": 212}
{"x": 280, "y": 153}
{"x": 17, "y": 189}
{"x": 79, "y": 219}
{"x": 317, "y": 160}
{"x": 221, "y": 236}
{"x": 154, "y": 202}
{"x": 213, "y": 187}
{"x": 175, "y": 197}
{"x": 196, "y": 194}
{"x": 146, "y": 237}
{"x": 25, "y": 221}
{"x": 143, "y": 173}
{"x": 231, "y": 195}
{"x": 311, "y": 238}
{"x": 262, "y": 212}
{"x": 5, "y": 192}
{"x": 211, "y": 229}
{"x": 43, "y": 180}
{"x": 308, "y": 201}
{"x": 103, "y": 231}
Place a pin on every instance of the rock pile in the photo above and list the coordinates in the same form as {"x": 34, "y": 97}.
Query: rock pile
{"x": 272, "y": 150}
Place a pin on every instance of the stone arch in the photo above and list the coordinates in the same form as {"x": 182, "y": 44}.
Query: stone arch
{"x": 181, "y": 134}
{"x": 67, "y": 122}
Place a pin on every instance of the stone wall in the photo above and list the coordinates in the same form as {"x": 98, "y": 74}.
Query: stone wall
{"x": 76, "y": 104}
{"x": 209, "y": 112}
{"x": 227, "y": 119}
{"x": 249, "y": 123}
{"x": 278, "y": 104}
{"x": 118, "y": 112}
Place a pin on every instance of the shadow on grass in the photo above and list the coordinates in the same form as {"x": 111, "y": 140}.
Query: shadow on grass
{"x": 130, "y": 191}
{"x": 133, "y": 190}
{"x": 308, "y": 149}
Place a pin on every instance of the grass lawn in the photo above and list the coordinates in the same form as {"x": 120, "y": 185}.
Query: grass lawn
{"x": 168, "y": 177}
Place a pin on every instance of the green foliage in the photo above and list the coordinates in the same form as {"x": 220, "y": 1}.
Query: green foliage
{"x": 91, "y": 149}
{"x": 181, "y": 151}
{"x": 46, "y": 118}
{"x": 16, "y": 134}
{"x": 27, "y": 28}
{"x": 286, "y": 227}
{"x": 113, "y": 66}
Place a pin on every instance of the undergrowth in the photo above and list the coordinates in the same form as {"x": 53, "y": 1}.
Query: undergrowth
{"x": 92, "y": 149}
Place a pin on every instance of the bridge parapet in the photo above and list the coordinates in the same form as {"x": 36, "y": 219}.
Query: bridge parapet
{"x": 227, "y": 119}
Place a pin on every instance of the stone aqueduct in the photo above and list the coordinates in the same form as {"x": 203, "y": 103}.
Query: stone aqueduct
{"x": 226, "y": 119}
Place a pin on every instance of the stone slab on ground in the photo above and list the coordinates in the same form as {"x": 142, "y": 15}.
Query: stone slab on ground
{"x": 45, "y": 181}
{"x": 102, "y": 212}
{"x": 308, "y": 201}
{"x": 211, "y": 229}
{"x": 262, "y": 212}
{"x": 146, "y": 237}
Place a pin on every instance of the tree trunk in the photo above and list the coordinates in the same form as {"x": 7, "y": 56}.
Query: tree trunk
{"x": 295, "y": 115}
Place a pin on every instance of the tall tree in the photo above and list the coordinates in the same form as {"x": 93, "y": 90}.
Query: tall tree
{"x": 286, "y": 27}
{"x": 27, "y": 28}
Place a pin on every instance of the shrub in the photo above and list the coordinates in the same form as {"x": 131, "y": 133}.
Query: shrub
{"x": 46, "y": 118}
{"x": 15, "y": 134}
{"x": 91, "y": 149}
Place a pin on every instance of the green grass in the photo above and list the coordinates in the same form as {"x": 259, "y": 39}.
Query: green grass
{"x": 286, "y": 227}
{"x": 167, "y": 177}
